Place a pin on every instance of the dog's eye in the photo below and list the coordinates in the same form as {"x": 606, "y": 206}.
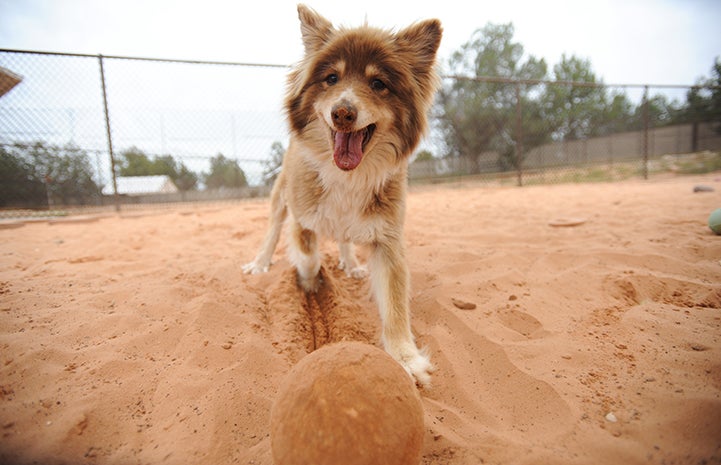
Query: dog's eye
{"x": 377, "y": 84}
{"x": 331, "y": 79}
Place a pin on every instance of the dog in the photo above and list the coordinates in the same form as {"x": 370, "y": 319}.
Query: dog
{"x": 357, "y": 106}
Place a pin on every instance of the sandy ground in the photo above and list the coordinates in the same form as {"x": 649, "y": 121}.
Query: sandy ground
{"x": 135, "y": 339}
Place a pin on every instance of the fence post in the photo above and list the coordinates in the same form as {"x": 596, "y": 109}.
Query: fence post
{"x": 110, "y": 136}
{"x": 519, "y": 135}
{"x": 645, "y": 132}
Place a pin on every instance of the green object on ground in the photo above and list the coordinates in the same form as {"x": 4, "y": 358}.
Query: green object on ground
{"x": 714, "y": 221}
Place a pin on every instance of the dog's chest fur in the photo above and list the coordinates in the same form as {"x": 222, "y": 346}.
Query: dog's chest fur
{"x": 356, "y": 208}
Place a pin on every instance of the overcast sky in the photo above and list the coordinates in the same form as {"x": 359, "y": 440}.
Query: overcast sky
{"x": 627, "y": 41}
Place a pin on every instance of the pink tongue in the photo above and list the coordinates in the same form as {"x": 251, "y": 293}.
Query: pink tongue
{"x": 348, "y": 150}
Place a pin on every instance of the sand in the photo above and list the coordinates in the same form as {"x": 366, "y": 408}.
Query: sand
{"x": 135, "y": 339}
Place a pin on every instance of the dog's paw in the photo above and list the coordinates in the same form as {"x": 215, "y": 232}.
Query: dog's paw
{"x": 309, "y": 284}
{"x": 420, "y": 368}
{"x": 255, "y": 268}
{"x": 359, "y": 272}
{"x": 416, "y": 363}
{"x": 354, "y": 271}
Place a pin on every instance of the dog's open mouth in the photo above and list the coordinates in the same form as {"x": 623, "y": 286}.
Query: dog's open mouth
{"x": 348, "y": 147}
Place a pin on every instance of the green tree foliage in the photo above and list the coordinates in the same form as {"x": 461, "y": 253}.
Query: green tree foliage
{"x": 271, "y": 167}
{"x": 40, "y": 174}
{"x": 574, "y": 111}
{"x": 618, "y": 115}
{"x": 661, "y": 112}
{"x": 503, "y": 102}
{"x": 134, "y": 162}
{"x": 423, "y": 155}
{"x": 185, "y": 179}
{"x": 714, "y": 106}
{"x": 224, "y": 172}
{"x": 703, "y": 102}
{"x": 478, "y": 116}
{"x": 18, "y": 184}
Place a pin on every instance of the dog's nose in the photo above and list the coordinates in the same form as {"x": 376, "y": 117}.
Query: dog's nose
{"x": 344, "y": 115}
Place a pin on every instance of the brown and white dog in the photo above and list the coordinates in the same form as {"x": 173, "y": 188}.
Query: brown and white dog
{"x": 357, "y": 105}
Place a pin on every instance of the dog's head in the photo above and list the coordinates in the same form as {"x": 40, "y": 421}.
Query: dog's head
{"x": 362, "y": 92}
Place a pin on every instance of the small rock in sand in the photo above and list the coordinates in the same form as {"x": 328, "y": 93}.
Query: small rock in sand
{"x": 463, "y": 305}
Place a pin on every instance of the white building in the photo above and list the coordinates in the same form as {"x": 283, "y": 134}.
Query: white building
{"x": 142, "y": 185}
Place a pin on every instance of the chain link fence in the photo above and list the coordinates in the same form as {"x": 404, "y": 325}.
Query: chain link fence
{"x": 177, "y": 130}
{"x": 526, "y": 132}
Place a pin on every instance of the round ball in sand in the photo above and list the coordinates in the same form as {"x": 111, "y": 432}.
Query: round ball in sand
{"x": 714, "y": 221}
{"x": 347, "y": 403}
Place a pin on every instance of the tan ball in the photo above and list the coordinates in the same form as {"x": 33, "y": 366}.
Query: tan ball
{"x": 347, "y": 403}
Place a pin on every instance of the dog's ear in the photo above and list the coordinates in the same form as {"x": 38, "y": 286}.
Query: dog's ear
{"x": 315, "y": 29}
{"x": 422, "y": 40}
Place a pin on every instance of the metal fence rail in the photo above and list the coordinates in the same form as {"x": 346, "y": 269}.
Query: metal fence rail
{"x": 560, "y": 131}
{"x": 78, "y": 130}
{"x": 100, "y": 108}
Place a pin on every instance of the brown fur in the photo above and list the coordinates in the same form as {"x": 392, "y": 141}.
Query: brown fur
{"x": 360, "y": 83}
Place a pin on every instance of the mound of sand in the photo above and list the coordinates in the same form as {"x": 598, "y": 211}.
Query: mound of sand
{"x": 137, "y": 339}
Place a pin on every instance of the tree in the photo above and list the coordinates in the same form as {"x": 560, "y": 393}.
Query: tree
{"x": 69, "y": 175}
{"x": 478, "y": 115}
{"x": 714, "y": 106}
{"x": 580, "y": 106}
{"x": 618, "y": 115}
{"x": 40, "y": 174}
{"x": 660, "y": 112}
{"x": 185, "y": 179}
{"x": 134, "y": 162}
{"x": 574, "y": 110}
{"x": 224, "y": 172}
{"x": 18, "y": 184}
{"x": 703, "y": 101}
{"x": 423, "y": 155}
{"x": 165, "y": 165}
{"x": 272, "y": 166}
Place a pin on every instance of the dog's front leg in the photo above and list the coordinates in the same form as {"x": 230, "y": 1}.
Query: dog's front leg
{"x": 278, "y": 213}
{"x": 349, "y": 263}
{"x": 390, "y": 281}
{"x": 303, "y": 253}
